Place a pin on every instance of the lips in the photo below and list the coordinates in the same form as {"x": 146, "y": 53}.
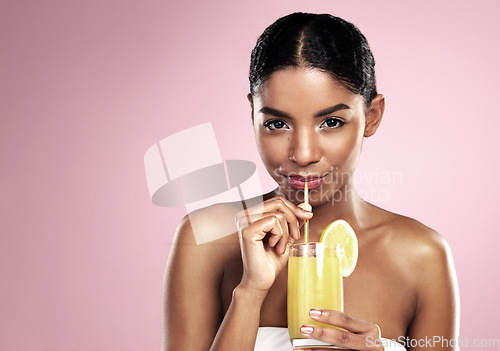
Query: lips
{"x": 299, "y": 182}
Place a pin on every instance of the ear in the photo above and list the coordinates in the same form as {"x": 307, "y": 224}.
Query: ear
{"x": 374, "y": 115}
{"x": 250, "y": 99}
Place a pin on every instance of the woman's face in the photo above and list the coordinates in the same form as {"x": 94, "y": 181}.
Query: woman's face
{"x": 308, "y": 128}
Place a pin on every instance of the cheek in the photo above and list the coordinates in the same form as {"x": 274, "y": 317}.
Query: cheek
{"x": 273, "y": 150}
{"x": 343, "y": 151}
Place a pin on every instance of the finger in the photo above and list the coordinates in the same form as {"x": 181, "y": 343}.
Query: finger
{"x": 292, "y": 213}
{"x": 305, "y": 207}
{"x": 282, "y": 223}
{"x": 270, "y": 226}
{"x": 342, "y": 320}
{"x": 279, "y": 235}
{"x": 275, "y": 203}
{"x": 295, "y": 208}
{"x": 300, "y": 211}
{"x": 245, "y": 219}
{"x": 243, "y": 222}
{"x": 281, "y": 240}
{"x": 338, "y": 337}
{"x": 275, "y": 236}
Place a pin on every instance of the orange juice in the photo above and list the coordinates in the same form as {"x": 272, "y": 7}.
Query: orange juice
{"x": 314, "y": 282}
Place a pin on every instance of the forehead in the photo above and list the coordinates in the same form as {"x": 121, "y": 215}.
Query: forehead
{"x": 299, "y": 88}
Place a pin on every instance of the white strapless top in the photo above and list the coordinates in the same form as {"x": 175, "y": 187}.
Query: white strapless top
{"x": 277, "y": 339}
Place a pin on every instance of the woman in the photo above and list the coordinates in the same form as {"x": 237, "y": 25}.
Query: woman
{"x": 313, "y": 100}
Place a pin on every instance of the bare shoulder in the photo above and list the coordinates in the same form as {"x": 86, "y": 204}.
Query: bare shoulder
{"x": 212, "y": 225}
{"x": 421, "y": 240}
{"x": 211, "y": 229}
{"x": 421, "y": 259}
{"x": 414, "y": 244}
{"x": 205, "y": 241}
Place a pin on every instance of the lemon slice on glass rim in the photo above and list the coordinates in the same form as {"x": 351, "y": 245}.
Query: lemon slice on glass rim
{"x": 341, "y": 236}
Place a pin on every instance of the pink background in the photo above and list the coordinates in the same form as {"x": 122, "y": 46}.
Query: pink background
{"x": 86, "y": 87}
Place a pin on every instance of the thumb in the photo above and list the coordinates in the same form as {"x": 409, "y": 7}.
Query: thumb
{"x": 306, "y": 207}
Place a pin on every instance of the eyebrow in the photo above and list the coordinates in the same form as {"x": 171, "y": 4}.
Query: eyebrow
{"x": 332, "y": 109}
{"x": 277, "y": 113}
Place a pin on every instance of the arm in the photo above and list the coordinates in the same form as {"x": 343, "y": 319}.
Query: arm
{"x": 193, "y": 317}
{"x": 279, "y": 221}
{"x": 239, "y": 328}
{"x": 192, "y": 304}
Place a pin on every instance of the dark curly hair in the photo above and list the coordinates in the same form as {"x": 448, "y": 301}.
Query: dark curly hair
{"x": 320, "y": 41}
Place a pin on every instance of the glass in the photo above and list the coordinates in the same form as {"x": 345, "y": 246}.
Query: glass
{"x": 314, "y": 282}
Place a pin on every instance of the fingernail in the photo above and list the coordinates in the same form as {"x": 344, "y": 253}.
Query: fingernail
{"x": 309, "y": 213}
{"x": 307, "y": 209}
{"x": 315, "y": 313}
{"x": 306, "y": 330}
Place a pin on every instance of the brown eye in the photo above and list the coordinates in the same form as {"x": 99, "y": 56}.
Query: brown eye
{"x": 275, "y": 124}
{"x": 333, "y": 123}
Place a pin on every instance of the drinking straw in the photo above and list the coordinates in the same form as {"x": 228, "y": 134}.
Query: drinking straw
{"x": 306, "y": 223}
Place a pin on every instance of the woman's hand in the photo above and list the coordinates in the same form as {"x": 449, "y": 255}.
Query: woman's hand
{"x": 357, "y": 334}
{"x": 265, "y": 232}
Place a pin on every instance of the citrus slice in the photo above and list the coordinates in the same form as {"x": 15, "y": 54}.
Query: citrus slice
{"x": 339, "y": 235}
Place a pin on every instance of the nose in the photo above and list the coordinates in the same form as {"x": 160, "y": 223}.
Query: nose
{"x": 304, "y": 148}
